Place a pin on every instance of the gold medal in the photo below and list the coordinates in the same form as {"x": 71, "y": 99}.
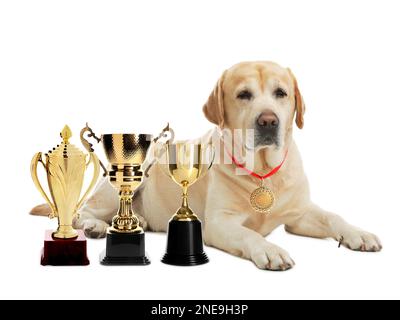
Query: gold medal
{"x": 262, "y": 199}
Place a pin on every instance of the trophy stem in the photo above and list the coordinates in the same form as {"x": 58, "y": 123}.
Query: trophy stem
{"x": 184, "y": 213}
{"x": 125, "y": 221}
{"x": 185, "y": 203}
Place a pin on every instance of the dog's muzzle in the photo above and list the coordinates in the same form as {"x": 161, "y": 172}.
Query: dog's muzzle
{"x": 266, "y": 129}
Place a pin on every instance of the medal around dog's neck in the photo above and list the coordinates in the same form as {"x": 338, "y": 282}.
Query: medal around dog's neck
{"x": 262, "y": 198}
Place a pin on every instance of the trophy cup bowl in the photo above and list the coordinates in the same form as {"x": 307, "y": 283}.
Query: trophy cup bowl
{"x": 65, "y": 167}
{"x": 186, "y": 163}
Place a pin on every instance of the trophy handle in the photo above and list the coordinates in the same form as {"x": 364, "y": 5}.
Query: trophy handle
{"x": 96, "y": 166}
{"x": 34, "y": 164}
{"x": 169, "y": 135}
{"x": 88, "y": 146}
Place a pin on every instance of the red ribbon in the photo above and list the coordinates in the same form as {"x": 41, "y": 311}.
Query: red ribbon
{"x": 269, "y": 174}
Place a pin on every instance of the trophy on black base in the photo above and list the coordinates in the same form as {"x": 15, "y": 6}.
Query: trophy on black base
{"x": 125, "y": 153}
{"x": 186, "y": 164}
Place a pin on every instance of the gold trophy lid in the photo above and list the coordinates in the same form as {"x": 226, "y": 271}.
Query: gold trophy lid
{"x": 65, "y": 149}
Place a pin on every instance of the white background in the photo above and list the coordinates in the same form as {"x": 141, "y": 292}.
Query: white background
{"x": 133, "y": 66}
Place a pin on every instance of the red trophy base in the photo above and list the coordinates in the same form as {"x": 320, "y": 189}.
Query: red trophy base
{"x": 64, "y": 252}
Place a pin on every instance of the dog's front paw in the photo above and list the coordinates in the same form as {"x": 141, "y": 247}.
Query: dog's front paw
{"x": 271, "y": 257}
{"x": 142, "y": 222}
{"x": 95, "y": 228}
{"x": 359, "y": 240}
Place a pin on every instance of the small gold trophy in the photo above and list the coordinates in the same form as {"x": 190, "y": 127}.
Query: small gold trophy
{"x": 125, "y": 154}
{"x": 186, "y": 163}
{"x": 65, "y": 168}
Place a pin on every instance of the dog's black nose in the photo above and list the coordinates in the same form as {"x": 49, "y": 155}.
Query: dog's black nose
{"x": 268, "y": 119}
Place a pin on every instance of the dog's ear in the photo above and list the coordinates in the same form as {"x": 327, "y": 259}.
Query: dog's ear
{"x": 299, "y": 102}
{"x": 214, "y": 107}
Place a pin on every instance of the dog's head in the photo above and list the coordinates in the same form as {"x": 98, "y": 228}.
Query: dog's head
{"x": 261, "y": 96}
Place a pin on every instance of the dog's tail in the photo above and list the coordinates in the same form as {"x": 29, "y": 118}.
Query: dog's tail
{"x": 41, "y": 210}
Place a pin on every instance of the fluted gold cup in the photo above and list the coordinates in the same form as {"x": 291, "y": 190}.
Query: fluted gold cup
{"x": 186, "y": 163}
{"x": 65, "y": 167}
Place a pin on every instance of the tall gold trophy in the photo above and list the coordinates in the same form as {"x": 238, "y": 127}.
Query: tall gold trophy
{"x": 125, "y": 154}
{"x": 186, "y": 163}
{"x": 65, "y": 168}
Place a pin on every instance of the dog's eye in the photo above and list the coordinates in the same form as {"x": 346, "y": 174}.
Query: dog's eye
{"x": 245, "y": 95}
{"x": 280, "y": 93}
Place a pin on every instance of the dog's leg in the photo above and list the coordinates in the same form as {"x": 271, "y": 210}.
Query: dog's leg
{"x": 318, "y": 223}
{"x": 93, "y": 227}
{"x": 41, "y": 210}
{"x": 97, "y": 212}
{"x": 226, "y": 232}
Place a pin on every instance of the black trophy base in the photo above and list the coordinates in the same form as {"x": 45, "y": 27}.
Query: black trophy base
{"x": 184, "y": 244}
{"x": 182, "y": 260}
{"x": 123, "y": 261}
{"x": 124, "y": 249}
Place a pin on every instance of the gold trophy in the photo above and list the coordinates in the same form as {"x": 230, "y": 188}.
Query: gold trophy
{"x": 125, "y": 154}
{"x": 186, "y": 163}
{"x": 65, "y": 168}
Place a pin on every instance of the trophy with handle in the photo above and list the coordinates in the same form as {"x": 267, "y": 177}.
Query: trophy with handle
{"x": 65, "y": 167}
{"x": 185, "y": 164}
{"x": 126, "y": 154}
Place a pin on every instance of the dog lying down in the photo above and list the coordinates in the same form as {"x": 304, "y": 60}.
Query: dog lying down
{"x": 261, "y": 100}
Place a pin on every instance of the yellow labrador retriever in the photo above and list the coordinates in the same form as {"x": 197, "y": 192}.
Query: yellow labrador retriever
{"x": 261, "y": 100}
